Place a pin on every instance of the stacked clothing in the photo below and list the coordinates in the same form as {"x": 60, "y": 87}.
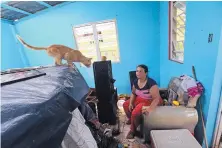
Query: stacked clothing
{"x": 185, "y": 90}
{"x": 193, "y": 88}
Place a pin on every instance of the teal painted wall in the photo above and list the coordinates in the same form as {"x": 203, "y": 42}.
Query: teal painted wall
{"x": 10, "y": 55}
{"x": 138, "y": 33}
{"x": 215, "y": 95}
{"x": 202, "y": 18}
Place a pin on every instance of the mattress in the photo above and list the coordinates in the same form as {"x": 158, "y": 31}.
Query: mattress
{"x": 78, "y": 134}
{"x": 36, "y": 112}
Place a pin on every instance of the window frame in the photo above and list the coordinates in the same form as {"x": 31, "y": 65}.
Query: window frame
{"x": 170, "y": 41}
{"x": 93, "y": 24}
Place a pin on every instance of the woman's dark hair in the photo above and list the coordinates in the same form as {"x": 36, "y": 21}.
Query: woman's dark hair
{"x": 144, "y": 67}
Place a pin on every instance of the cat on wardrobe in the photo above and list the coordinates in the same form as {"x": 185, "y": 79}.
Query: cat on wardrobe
{"x": 59, "y": 52}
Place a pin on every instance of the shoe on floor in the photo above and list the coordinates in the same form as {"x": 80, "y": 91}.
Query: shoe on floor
{"x": 130, "y": 135}
{"x": 106, "y": 129}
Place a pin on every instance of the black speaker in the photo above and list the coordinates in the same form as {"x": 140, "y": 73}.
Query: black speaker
{"x": 105, "y": 92}
{"x": 132, "y": 75}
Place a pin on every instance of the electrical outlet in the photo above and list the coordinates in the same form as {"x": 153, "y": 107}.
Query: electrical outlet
{"x": 210, "y": 38}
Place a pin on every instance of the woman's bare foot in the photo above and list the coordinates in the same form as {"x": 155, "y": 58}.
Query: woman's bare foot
{"x": 128, "y": 122}
{"x": 130, "y": 135}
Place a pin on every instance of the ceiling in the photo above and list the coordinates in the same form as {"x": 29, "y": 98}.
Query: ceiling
{"x": 13, "y": 11}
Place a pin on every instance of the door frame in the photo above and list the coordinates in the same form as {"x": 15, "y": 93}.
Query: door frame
{"x": 218, "y": 127}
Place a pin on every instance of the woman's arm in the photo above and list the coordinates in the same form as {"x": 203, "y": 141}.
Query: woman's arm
{"x": 154, "y": 91}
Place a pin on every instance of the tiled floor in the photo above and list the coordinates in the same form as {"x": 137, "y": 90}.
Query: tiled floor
{"x": 124, "y": 129}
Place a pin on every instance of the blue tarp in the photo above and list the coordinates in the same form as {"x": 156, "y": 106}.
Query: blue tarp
{"x": 36, "y": 112}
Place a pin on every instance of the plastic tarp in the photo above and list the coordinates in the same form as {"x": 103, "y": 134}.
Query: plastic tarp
{"x": 37, "y": 112}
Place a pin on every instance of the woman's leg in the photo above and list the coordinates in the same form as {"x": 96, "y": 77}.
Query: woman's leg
{"x": 136, "y": 116}
{"x": 135, "y": 120}
{"x": 126, "y": 108}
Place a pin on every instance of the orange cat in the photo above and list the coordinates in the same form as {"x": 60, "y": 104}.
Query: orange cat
{"x": 60, "y": 52}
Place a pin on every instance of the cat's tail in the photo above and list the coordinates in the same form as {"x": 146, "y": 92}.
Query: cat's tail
{"x": 29, "y": 46}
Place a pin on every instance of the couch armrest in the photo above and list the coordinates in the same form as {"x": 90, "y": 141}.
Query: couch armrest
{"x": 170, "y": 117}
{"x": 163, "y": 89}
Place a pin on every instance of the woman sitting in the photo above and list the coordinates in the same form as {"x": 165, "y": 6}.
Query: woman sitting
{"x": 145, "y": 92}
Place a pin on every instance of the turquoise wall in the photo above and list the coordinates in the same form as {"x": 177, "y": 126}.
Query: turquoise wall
{"x": 10, "y": 55}
{"x": 202, "y": 18}
{"x": 138, "y": 33}
{"x": 215, "y": 95}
